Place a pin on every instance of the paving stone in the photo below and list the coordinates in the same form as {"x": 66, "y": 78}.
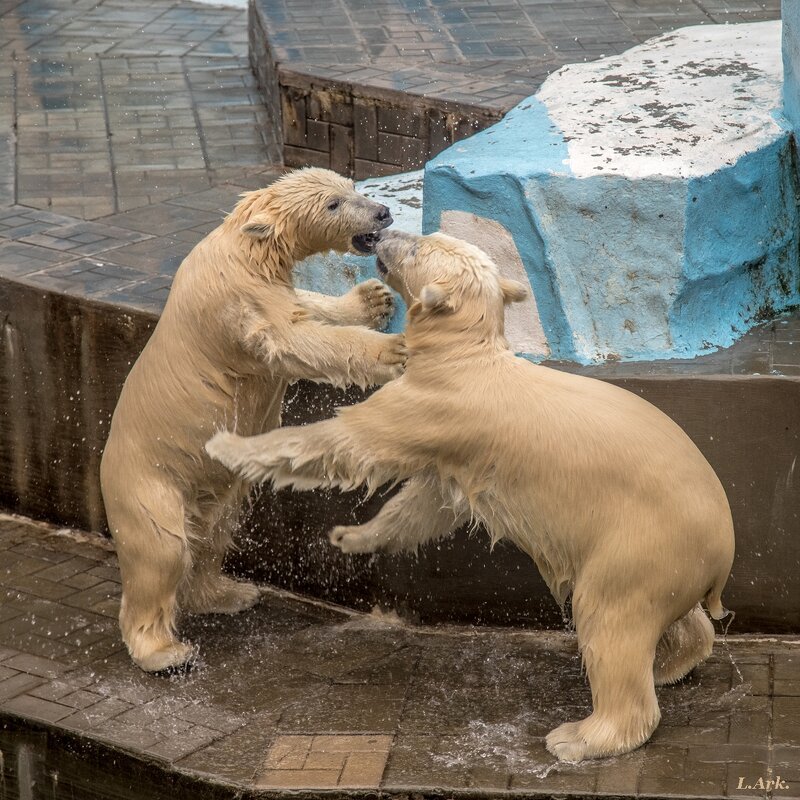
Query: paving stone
{"x": 214, "y": 718}
{"x": 236, "y": 757}
{"x": 379, "y": 710}
{"x": 127, "y": 736}
{"x": 81, "y": 581}
{"x": 17, "y": 684}
{"x": 89, "y": 599}
{"x": 181, "y": 745}
{"x": 66, "y": 569}
{"x": 27, "y": 706}
{"x": 95, "y": 715}
{"x": 34, "y": 665}
{"x": 787, "y": 671}
{"x": 20, "y": 259}
{"x": 786, "y": 719}
{"x": 39, "y": 587}
{"x": 163, "y": 218}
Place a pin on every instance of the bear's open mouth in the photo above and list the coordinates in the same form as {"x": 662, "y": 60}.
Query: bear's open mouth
{"x": 381, "y": 267}
{"x": 365, "y": 242}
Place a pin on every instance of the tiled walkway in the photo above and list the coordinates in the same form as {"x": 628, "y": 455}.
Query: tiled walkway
{"x": 143, "y": 115}
{"x": 300, "y": 695}
{"x": 485, "y": 53}
{"x": 109, "y": 106}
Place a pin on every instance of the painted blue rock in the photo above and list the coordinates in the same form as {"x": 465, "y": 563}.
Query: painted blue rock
{"x": 649, "y": 198}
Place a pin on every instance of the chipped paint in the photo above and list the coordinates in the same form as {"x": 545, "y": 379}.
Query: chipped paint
{"x": 680, "y": 105}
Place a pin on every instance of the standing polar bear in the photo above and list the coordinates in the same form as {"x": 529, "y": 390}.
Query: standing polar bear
{"x": 233, "y": 334}
{"x": 608, "y": 496}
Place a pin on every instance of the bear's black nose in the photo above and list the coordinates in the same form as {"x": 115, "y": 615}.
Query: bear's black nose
{"x": 383, "y": 214}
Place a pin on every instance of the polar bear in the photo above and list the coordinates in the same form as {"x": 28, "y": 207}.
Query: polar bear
{"x": 233, "y": 334}
{"x": 609, "y": 497}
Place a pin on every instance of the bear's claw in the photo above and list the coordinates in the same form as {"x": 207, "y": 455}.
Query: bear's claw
{"x": 376, "y": 303}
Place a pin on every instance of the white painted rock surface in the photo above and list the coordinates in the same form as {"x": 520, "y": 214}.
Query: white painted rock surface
{"x": 650, "y": 197}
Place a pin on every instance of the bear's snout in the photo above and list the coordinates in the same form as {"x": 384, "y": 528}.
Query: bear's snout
{"x": 384, "y": 216}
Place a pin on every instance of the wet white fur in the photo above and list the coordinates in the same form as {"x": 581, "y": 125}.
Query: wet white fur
{"x": 608, "y": 496}
{"x": 233, "y": 334}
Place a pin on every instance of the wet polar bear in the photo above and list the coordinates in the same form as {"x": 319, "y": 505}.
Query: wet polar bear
{"x": 609, "y": 497}
{"x": 233, "y": 334}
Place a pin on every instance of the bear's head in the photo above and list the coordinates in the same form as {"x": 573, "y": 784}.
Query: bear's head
{"x": 446, "y": 282}
{"x": 311, "y": 211}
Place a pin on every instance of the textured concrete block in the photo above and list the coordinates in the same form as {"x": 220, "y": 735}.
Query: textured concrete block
{"x": 651, "y": 196}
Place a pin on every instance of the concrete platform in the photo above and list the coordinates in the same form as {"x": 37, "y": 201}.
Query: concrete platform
{"x": 380, "y": 87}
{"x": 303, "y": 697}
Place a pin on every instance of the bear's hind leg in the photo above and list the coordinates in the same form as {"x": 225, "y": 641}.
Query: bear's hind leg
{"x": 206, "y": 589}
{"x": 618, "y": 654}
{"x": 415, "y": 515}
{"x": 153, "y": 558}
{"x": 685, "y": 644}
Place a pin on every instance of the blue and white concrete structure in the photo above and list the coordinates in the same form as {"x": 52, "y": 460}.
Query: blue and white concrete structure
{"x": 649, "y": 198}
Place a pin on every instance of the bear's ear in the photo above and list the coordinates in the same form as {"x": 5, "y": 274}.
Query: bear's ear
{"x": 259, "y": 227}
{"x": 434, "y": 297}
{"x": 513, "y": 291}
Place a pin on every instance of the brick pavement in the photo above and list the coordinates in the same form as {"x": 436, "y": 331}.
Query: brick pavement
{"x": 109, "y": 106}
{"x": 299, "y": 695}
{"x": 490, "y": 53}
{"x": 380, "y": 87}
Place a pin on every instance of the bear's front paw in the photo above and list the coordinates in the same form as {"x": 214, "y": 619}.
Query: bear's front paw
{"x": 353, "y": 539}
{"x": 174, "y": 657}
{"x": 391, "y": 357}
{"x": 375, "y": 303}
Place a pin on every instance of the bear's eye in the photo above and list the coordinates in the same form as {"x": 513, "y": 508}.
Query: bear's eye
{"x": 333, "y": 205}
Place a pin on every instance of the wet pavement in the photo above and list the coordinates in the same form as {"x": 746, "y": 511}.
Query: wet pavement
{"x": 300, "y": 695}
{"x": 109, "y": 106}
{"x": 487, "y": 54}
{"x": 124, "y": 128}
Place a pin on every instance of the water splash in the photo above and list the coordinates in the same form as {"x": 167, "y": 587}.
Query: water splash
{"x": 727, "y": 647}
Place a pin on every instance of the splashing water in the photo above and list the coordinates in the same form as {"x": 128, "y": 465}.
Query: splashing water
{"x": 507, "y": 742}
{"x": 726, "y": 645}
